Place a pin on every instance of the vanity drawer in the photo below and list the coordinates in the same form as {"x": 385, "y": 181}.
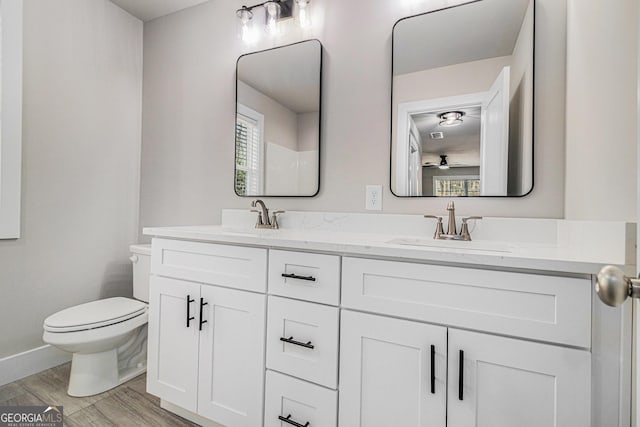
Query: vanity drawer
{"x": 540, "y": 307}
{"x": 306, "y": 276}
{"x": 222, "y": 265}
{"x": 308, "y": 324}
{"x": 301, "y": 401}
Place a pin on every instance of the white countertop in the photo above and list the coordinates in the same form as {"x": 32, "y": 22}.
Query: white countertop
{"x": 572, "y": 251}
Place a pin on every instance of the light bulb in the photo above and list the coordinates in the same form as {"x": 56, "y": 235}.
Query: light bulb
{"x": 273, "y": 13}
{"x": 247, "y": 31}
{"x": 304, "y": 15}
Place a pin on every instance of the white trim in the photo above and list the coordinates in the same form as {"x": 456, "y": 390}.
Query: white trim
{"x": 31, "y": 362}
{"x": 405, "y": 111}
{"x": 11, "y": 119}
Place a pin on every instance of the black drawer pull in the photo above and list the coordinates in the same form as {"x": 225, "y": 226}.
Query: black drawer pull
{"x": 461, "y": 375}
{"x": 295, "y": 276}
{"x": 288, "y": 420}
{"x": 189, "y": 316}
{"x": 433, "y": 369}
{"x": 290, "y": 340}
{"x": 202, "y": 304}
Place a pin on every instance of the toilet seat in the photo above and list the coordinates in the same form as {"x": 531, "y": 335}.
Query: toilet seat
{"x": 95, "y": 314}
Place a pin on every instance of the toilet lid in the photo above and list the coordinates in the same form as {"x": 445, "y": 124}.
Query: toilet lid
{"x": 94, "y": 314}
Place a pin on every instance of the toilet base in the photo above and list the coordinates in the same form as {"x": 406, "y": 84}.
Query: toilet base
{"x": 95, "y": 373}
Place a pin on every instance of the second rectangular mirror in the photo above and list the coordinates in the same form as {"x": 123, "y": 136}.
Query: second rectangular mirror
{"x": 462, "y": 101}
{"x": 278, "y": 110}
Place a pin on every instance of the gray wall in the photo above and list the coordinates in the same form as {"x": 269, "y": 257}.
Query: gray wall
{"x": 602, "y": 70}
{"x": 188, "y": 98}
{"x": 81, "y": 154}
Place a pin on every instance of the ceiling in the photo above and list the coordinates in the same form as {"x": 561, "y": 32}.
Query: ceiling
{"x": 461, "y": 144}
{"x": 466, "y": 33}
{"x": 146, "y": 10}
{"x": 289, "y": 75}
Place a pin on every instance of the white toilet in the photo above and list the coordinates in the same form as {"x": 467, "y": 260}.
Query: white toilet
{"x": 108, "y": 338}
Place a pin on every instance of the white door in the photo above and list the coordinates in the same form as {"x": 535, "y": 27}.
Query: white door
{"x": 172, "y": 365}
{"x": 231, "y": 386}
{"x": 494, "y": 140}
{"x": 386, "y": 371}
{"x": 506, "y": 382}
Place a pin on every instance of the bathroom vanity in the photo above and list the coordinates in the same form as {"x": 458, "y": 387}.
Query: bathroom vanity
{"x": 328, "y": 322}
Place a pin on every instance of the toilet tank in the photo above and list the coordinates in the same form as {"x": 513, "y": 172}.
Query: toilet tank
{"x": 141, "y": 261}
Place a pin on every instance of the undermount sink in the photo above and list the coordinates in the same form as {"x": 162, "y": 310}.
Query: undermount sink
{"x": 454, "y": 244}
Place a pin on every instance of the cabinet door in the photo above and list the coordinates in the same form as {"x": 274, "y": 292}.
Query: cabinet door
{"x": 386, "y": 372}
{"x": 231, "y": 386}
{"x": 508, "y": 382}
{"x": 172, "y": 369}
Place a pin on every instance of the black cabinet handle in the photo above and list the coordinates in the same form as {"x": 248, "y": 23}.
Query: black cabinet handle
{"x": 202, "y": 304}
{"x": 461, "y": 375}
{"x": 295, "y": 276}
{"x": 290, "y": 340}
{"x": 189, "y": 316}
{"x": 288, "y": 420}
{"x": 433, "y": 369}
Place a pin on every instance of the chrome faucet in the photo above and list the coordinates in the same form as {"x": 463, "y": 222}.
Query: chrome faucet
{"x": 452, "y": 233}
{"x": 263, "y": 215}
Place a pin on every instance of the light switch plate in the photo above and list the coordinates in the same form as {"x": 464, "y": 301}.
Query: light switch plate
{"x": 374, "y": 198}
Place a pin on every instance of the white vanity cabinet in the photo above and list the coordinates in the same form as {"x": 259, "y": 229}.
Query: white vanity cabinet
{"x": 302, "y": 339}
{"x": 509, "y": 382}
{"x": 392, "y": 372}
{"x": 390, "y": 376}
{"x": 206, "y": 339}
{"x": 303, "y": 335}
{"x": 398, "y": 372}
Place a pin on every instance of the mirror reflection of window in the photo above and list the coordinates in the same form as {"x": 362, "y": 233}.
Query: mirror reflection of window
{"x": 467, "y": 97}
{"x": 249, "y": 151}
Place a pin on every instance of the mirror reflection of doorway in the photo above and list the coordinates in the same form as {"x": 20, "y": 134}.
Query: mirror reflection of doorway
{"x": 466, "y": 137}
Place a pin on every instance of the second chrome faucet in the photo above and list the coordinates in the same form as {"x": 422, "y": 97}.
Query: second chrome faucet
{"x": 452, "y": 233}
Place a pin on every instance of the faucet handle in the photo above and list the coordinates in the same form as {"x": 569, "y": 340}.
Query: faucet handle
{"x": 470, "y": 218}
{"x": 274, "y": 219}
{"x": 464, "y": 231}
{"x": 439, "y": 228}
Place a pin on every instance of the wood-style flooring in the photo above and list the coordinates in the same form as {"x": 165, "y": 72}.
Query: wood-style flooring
{"x": 126, "y": 405}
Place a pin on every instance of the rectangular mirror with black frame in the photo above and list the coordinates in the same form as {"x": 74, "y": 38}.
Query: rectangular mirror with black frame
{"x": 462, "y": 101}
{"x": 278, "y": 120}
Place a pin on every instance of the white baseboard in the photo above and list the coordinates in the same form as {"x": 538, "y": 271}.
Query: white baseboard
{"x": 31, "y": 362}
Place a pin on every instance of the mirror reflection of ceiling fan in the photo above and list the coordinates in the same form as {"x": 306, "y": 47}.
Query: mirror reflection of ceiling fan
{"x": 444, "y": 164}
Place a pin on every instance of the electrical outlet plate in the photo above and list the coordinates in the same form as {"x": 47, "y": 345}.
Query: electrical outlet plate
{"x": 374, "y": 197}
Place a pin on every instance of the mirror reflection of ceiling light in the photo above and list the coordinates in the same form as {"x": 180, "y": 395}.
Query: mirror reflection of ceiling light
{"x": 451, "y": 118}
{"x": 443, "y": 162}
{"x": 274, "y": 12}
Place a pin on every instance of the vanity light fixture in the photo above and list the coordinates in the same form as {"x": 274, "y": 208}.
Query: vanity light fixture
{"x": 443, "y": 162}
{"x": 451, "y": 118}
{"x": 274, "y": 11}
